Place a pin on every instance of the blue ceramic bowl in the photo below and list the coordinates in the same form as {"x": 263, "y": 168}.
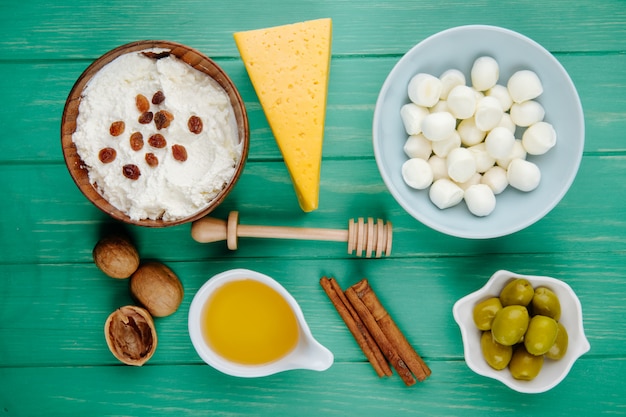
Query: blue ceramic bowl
{"x": 458, "y": 48}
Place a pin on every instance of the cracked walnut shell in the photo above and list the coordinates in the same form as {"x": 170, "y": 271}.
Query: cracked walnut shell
{"x": 131, "y": 335}
{"x": 157, "y": 288}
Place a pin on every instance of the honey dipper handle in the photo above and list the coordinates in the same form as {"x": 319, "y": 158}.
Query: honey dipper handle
{"x": 210, "y": 229}
{"x": 236, "y": 230}
{"x": 369, "y": 238}
{"x": 304, "y": 233}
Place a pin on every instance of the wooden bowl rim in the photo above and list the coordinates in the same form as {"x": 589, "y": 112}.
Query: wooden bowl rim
{"x": 195, "y": 59}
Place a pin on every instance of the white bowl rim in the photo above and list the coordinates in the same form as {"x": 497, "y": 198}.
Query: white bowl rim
{"x": 465, "y": 305}
{"x": 556, "y": 198}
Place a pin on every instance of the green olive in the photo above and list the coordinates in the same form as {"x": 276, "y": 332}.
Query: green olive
{"x": 523, "y": 365}
{"x": 496, "y": 355}
{"x": 517, "y": 292}
{"x": 546, "y": 303}
{"x": 541, "y": 334}
{"x": 485, "y": 311}
{"x": 510, "y": 324}
{"x": 559, "y": 348}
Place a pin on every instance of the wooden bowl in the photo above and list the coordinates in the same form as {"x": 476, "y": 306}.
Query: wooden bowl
{"x": 195, "y": 59}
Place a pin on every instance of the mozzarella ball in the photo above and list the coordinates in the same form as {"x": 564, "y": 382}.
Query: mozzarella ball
{"x": 417, "y": 146}
{"x": 439, "y": 167}
{"x": 499, "y": 142}
{"x": 495, "y": 178}
{"x": 462, "y": 101}
{"x": 443, "y": 147}
{"x": 518, "y": 152}
{"x": 488, "y": 113}
{"x": 523, "y": 175}
{"x": 474, "y": 179}
{"x": 424, "y": 89}
{"x": 506, "y": 122}
{"x": 484, "y": 161}
{"x": 417, "y": 173}
{"x": 527, "y": 113}
{"x": 539, "y": 138}
{"x": 461, "y": 164}
{"x": 442, "y": 105}
{"x": 412, "y": 116}
{"x": 485, "y": 73}
{"x": 480, "y": 200}
{"x": 444, "y": 193}
{"x": 461, "y": 139}
{"x": 470, "y": 134}
{"x": 438, "y": 126}
{"x": 501, "y": 93}
{"x": 524, "y": 85}
{"x": 450, "y": 79}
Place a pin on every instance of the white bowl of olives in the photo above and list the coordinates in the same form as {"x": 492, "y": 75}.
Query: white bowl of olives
{"x": 523, "y": 330}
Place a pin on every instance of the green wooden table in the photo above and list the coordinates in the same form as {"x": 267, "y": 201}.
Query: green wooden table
{"x": 53, "y": 357}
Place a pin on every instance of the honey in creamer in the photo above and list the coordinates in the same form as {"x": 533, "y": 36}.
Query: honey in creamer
{"x": 248, "y": 322}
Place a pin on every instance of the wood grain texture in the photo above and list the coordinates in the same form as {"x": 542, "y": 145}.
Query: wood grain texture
{"x": 83, "y": 29}
{"x": 351, "y": 100}
{"x": 53, "y": 357}
{"x": 189, "y": 390}
{"x": 71, "y": 303}
{"x": 60, "y": 213}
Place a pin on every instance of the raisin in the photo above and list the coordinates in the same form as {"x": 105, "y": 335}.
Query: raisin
{"x": 158, "y": 97}
{"x": 157, "y": 141}
{"x": 156, "y": 55}
{"x": 107, "y": 155}
{"x": 145, "y": 117}
{"x": 151, "y": 159}
{"x": 136, "y": 141}
{"x": 142, "y": 103}
{"x": 131, "y": 171}
{"x": 195, "y": 124}
{"x": 179, "y": 152}
{"x": 117, "y": 128}
{"x": 162, "y": 119}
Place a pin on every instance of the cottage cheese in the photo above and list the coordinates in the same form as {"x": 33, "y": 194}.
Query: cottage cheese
{"x": 173, "y": 189}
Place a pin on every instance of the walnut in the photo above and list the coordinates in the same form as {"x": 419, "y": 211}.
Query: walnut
{"x": 116, "y": 256}
{"x": 155, "y": 286}
{"x": 131, "y": 335}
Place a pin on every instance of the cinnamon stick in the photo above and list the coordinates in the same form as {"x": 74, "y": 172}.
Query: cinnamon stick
{"x": 386, "y": 346}
{"x": 406, "y": 352}
{"x": 376, "y": 352}
{"x": 356, "y": 326}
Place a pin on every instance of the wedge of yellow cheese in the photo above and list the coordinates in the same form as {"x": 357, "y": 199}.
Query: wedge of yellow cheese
{"x": 288, "y": 66}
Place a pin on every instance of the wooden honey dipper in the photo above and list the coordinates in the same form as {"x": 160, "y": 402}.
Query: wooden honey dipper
{"x": 373, "y": 237}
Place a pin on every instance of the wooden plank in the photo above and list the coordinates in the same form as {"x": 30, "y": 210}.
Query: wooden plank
{"x": 82, "y": 29}
{"x": 66, "y": 305}
{"x": 35, "y": 116}
{"x": 53, "y": 359}
{"x": 50, "y": 221}
{"x": 344, "y": 389}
